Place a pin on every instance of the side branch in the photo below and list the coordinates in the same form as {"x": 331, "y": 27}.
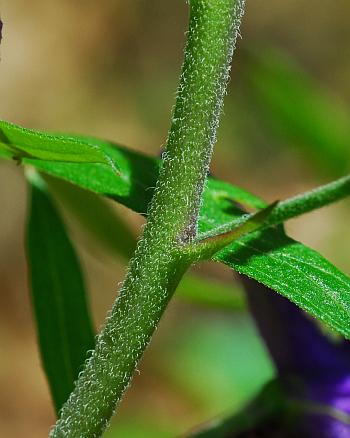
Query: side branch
{"x": 285, "y": 210}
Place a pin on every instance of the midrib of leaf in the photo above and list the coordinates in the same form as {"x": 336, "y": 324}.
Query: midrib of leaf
{"x": 61, "y": 313}
{"x": 66, "y": 356}
{"x": 20, "y": 143}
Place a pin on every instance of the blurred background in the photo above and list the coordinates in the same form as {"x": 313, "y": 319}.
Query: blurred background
{"x": 110, "y": 69}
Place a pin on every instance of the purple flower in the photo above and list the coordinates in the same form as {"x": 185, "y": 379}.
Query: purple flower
{"x": 313, "y": 369}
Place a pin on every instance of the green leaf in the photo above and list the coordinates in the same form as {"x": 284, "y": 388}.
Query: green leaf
{"x": 25, "y": 143}
{"x": 58, "y": 294}
{"x": 295, "y": 271}
{"x": 132, "y": 187}
{"x": 268, "y": 256}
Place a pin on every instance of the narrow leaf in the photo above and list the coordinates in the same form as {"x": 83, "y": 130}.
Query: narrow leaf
{"x": 26, "y": 143}
{"x": 58, "y": 294}
{"x": 132, "y": 186}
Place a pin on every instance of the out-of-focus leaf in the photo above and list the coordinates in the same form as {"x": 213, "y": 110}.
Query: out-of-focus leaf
{"x": 59, "y": 301}
{"x": 299, "y": 111}
{"x": 26, "y": 143}
{"x": 5, "y": 154}
{"x": 139, "y": 425}
{"x": 270, "y": 257}
{"x": 268, "y": 404}
{"x": 96, "y": 216}
{"x": 210, "y": 293}
{"x": 218, "y": 361}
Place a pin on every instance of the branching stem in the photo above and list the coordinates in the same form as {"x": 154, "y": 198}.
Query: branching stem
{"x": 283, "y": 211}
{"x": 158, "y": 263}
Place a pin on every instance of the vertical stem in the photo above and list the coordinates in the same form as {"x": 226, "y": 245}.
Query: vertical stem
{"x": 158, "y": 263}
{"x": 210, "y": 43}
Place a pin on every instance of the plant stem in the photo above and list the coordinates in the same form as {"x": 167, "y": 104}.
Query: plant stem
{"x": 283, "y": 211}
{"x": 159, "y": 263}
{"x": 311, "y": 200}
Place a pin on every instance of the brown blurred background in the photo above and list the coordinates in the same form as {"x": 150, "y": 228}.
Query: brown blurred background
{"x": 110, "y": 69}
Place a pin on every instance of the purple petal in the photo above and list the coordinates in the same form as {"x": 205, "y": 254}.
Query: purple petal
{"x": 315, "y": 370}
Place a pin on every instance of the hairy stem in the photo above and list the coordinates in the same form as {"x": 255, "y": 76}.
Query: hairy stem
{"x": 282, "y": 211}
{"x": 159, "y": 263}
{"x": 312, "y": 200}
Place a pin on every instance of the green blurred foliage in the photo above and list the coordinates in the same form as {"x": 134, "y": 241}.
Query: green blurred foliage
{"x": 213, "y": 365}
{"x": 299, "y": 112}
